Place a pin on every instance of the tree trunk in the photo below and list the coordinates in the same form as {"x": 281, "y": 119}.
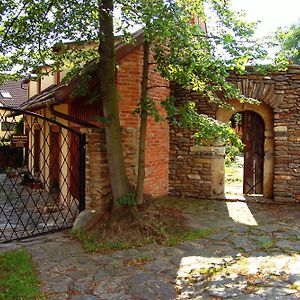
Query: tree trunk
{"x": 108, "y": 94}
{"x": 143, "y": 125}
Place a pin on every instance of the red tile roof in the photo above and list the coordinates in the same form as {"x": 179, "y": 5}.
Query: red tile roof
{"x": 18, "y": 93}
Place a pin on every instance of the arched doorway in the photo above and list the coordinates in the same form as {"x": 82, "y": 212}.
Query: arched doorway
{"x": 257, "y": 129}
{"x": 250, "y": 126}
{"x": 253, "y": 138}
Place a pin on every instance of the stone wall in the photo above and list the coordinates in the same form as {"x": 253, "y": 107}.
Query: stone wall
{"x": 280, "y": 93}
{"x": 287, "y": 137}
{"x": 183, "y": 96}
{"x": 190, "y": 170}
{"x": 195, "y": 171}
{"x": 98, "y": 188}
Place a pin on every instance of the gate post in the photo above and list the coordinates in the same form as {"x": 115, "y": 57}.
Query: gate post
{"x": 82, "y": 142}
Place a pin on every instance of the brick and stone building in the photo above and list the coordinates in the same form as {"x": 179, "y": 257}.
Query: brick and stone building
{"x": 52, "y": 99}
{"x": 174, "y": 164}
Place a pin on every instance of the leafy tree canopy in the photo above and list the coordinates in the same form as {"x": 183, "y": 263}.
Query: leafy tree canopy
{"x": 30, "y": 29}
{"x": 289, "y": 40}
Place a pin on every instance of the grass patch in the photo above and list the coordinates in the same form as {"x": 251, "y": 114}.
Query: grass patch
{"x": 107, "y": 246}
{"x": 265, "y": 243}
{"x": 87, "y": 239}
{"x": 198, "y": 234}
{"x": 233, "y": 175}
{"x": 156, "y": 224}
{"x": 139, "y": 260}
{"x": 18, "y": 279}
{"x": 234, "y": 172}
{"x": 91, "y": 244}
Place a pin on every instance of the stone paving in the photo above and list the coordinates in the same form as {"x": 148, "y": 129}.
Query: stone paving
{"x": 253, "y": 252}
{"x": 26, "y": 212}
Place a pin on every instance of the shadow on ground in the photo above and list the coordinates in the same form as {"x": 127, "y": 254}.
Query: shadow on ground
{"x": 252, "y": 253}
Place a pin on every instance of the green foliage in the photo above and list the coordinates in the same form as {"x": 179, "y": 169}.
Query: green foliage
{"x": 289, "y": 40}
{"x": 233, "y": 173}
{"x": 198, "y": 233}
{"x": 114, "y": 245}
{"x": 9, "y": 170}
{"x": 140, "y": 260}
{"x": 53, "y": 34}
{"x": 18, "y": 279}
{"x": 149, "y": 106}
{"x": 189, "y": 235}
{"x": 173, "y": 240}
{"x": 143, "y": 258}
{"x": 4, "y": 143}
{"x": 29, "y": 30}
{"x": 88, "y": 239}
{"x": 208, "y": 130}
{"x": 187, "y": 55}
{"x": 265, "y": 243}
{"x": 127, "y": 200}
{"x": 232, "y": 151}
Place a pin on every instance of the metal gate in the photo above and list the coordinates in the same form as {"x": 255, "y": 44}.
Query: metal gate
{"x": 253, "y": 137}
{"x": 40, "y": 159}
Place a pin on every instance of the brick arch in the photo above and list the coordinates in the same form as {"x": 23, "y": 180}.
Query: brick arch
{"x": 266, "y": 113}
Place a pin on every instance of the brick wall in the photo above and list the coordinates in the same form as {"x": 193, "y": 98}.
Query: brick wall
{"x": 157, "y": 143}
{"x": 98, "y": 191}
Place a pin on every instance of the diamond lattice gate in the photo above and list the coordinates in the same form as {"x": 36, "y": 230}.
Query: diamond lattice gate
{"x": 42, "y": 182}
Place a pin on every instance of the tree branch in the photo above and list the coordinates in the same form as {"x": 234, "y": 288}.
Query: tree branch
{"x": 13, "y": 21}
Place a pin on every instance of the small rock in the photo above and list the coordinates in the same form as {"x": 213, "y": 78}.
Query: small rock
{"x": 141, "y": 292}
{"x": 294, "y": 278}
{"x": 284, "y": 244}
{"x": 219, "y": 236}
{"x": 269, "y": 228}
{"x": 87, "y": 219}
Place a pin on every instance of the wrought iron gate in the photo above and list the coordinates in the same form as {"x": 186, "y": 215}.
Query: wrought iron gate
{"x": 40, "y": 159}
{"x": 253, "y": 137}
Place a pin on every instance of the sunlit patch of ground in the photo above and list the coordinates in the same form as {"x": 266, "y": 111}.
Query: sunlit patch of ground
{"x": 234, "y": 177}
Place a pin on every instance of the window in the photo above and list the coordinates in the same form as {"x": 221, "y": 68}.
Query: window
{"x": 5, "y": 94}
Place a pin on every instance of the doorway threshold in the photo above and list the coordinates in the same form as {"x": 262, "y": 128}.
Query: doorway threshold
{"x": 253, "y": 198}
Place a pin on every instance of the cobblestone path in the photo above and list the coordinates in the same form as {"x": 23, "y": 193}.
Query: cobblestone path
{"x": 253, "y": 253}
{"x": 26, "y": 212}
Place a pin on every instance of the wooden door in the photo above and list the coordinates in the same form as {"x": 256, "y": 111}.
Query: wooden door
{"x": 54, "y": 164}
{"x": 253, "y": 138}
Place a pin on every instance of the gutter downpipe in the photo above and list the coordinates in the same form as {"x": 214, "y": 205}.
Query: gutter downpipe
{"x": 50, "y": 103}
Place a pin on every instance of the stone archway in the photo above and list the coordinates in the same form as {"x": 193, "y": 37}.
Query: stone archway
{"x": 266, "y": 113}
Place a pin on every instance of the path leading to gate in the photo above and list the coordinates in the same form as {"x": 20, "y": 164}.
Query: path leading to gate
{"x": 253, "y": 253}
